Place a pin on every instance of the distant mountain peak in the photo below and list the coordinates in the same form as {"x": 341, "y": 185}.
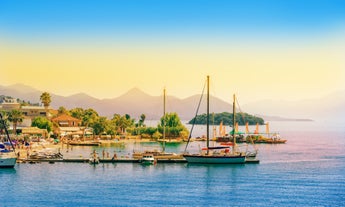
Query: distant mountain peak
{"x": 135, "y": 92}
{"x": 81, "y": 95}
{"x": 22, "y": 88}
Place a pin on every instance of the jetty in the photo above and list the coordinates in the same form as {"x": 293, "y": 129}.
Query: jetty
{"x": 117, "y": 160}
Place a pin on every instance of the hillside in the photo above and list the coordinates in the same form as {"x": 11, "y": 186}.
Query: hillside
{"x": 134, "y": 102}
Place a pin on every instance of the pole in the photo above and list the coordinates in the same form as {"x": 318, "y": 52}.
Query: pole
{"x": 208, "y": 113}
{"x": 8, "y": 136}
{"x": 164, "y": 120}
{"x": 233, "y": 124}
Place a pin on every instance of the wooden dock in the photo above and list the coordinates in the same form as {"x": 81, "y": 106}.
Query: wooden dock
{"x": 86, "y": 160}
{"x": 118, "y": 160}
{"x": 252, "y": 161}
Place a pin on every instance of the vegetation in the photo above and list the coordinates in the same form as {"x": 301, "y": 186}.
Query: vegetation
{"x": 63, "y": 110}
{"x": 42, "y": 123}
{"x": 5, "y": 119}
{"x": 102, "y": 125}
{"x": 45, "y": 99}
{"x": 141, "y": 120}
{"x": 117, "y": 125}
{"x": 77, "y": 113}
{"x": 173, "y": 126}
{"x": 15, "y": 116}
{"x": 226, "y": 118}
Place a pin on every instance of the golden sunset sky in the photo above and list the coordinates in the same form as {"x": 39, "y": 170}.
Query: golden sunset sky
{"x": 288, "y": 56}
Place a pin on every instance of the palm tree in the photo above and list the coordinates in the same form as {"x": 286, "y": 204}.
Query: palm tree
{"x": 4, "y": 124}
{"x": 142, "y": 119}
{"x": 15, "y": 116}
{"x": 46, "y": 100}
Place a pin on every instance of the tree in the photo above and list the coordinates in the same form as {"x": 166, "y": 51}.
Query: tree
{"x": 173, "y": 126}
{"x": 101, "y": 125}
{"x": 5, "y": 119}
{"x": 150, "y": 131}
{"x": 115, "y": 121}
{"x": 77, "y": 113}
{"x": 122, "y": 122}
{"x": 63, "y": 110}
{"x": 89, "y": 117}
{"x": 142, "y": 120}
{"x": 15, "y": 116}
{"x": 42, "y": 123}
{"x": 226, "y": 118}
{"x": 45, "y": 99}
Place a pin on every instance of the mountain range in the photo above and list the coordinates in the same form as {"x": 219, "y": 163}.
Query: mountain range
{"x": 136, "y": 102}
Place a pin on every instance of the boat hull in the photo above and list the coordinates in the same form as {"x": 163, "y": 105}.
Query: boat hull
{"x": 7, "y": 161}
{"x": 85, "y": 143}
{"x": 204, "y": 159}
{"x": 147, "y": 161}
{"x": 157, "y": 155}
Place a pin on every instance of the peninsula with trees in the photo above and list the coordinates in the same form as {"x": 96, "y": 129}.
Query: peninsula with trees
{"x": 226, "y": 119}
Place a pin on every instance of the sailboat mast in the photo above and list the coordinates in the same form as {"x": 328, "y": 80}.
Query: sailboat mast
{"x": 8, "y": 136}
{"x": 164, "y": 120}
{"x": 208, "y": 113}
{"x": 233, "y": 124}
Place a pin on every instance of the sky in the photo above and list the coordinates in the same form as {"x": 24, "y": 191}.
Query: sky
{"x": 258, "y": 49}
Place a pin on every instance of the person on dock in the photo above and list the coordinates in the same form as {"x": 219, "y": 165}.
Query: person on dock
{"x": 114, "y": 157}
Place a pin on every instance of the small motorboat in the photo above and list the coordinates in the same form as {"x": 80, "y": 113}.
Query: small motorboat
{"x": 147, "y": 159}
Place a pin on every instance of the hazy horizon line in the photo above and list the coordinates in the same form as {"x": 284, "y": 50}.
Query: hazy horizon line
{"x": 175, "y": 96}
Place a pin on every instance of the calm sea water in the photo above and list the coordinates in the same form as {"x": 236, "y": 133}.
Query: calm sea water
{"x": 309, "y": 170}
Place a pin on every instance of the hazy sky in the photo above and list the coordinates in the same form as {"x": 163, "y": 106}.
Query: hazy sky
{"x": 257, "y": 49}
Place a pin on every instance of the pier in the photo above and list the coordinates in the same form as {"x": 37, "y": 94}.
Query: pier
{"x": 118, "y": 160}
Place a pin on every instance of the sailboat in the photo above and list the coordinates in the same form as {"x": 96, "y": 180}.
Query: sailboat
{"x": 8, "y": 156}
{"x": 218, "y": 154}
{"x": 164, "y": 141}
{"x": 156, "y": 153}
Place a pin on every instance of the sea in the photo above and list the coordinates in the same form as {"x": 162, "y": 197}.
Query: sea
{"x": 309, "y": 170}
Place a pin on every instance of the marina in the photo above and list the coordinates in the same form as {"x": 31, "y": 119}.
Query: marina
{"x": 294, "y": 174}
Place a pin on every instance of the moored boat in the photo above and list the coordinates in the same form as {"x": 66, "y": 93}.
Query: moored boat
{"x": 84, "y": 143}
{"x": 217, "y": 155}
{"x": 147, "y": 159}
{"x": 259, "y": 139}
{"x": 161, "y": 155}
{"x": 171, "y": 141}
{"x": 8, "y": 157}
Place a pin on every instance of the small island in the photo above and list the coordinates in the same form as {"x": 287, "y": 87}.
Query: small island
{"x": 226, "y": 119}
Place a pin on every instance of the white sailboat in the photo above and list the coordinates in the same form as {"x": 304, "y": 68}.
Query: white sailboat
{"x": 8, "y": 157}
{"x": 220, "y": 154}
{"x": 159, "y": 155}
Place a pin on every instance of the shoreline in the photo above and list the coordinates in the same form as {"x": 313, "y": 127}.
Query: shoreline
{"x": 26, "y": 151}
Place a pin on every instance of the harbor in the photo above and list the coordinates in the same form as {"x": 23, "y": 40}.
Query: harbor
{"x": 304, "y": 173}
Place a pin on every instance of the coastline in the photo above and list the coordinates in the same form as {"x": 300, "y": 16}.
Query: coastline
{"x": 43, "y": 145}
